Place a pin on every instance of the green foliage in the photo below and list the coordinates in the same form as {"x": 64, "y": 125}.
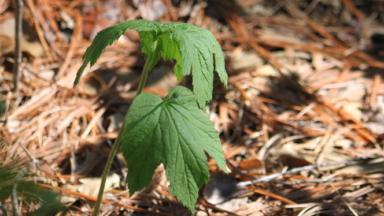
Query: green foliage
{"x": 194, "y": 49}
{"x": 176, "y": 133}
{"x": 173, "y": 131}
{"x": 46, "y": 201}
{"x": 2, "y": 108}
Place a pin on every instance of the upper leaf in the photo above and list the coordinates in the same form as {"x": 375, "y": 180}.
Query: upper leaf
{"x": 173, "y": 132}
{"x": 107, "y": 36}
{"x": 194, "y": 49}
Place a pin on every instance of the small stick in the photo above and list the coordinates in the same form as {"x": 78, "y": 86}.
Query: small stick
{"x": 15, "y": 200}
{"x": 299, "y": 169}
{"x": 18, "y": 36}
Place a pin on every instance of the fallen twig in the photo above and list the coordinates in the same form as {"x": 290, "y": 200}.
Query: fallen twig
{"x": 299, "y": 169}
{"x": 18, "y": 36}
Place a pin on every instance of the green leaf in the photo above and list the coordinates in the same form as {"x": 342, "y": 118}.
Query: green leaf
{"x": 194, "y": 49}
{"x": 175, "y": 132}
{"x": 107, "y": 36}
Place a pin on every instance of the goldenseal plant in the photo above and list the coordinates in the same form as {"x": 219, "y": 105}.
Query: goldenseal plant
{"x": 174, "y": 131}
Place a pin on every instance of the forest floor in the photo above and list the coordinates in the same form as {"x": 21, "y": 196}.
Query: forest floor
{"x": 301, "y": 121}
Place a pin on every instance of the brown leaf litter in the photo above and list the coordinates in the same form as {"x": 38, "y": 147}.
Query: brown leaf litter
{"x": 303, "y": 108}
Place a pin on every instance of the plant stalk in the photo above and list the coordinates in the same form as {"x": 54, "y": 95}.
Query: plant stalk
{"x": 150, "y": 62}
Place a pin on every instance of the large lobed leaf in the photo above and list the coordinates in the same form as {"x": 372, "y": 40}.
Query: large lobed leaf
{"x": 174, "y": 132}
{"x": 194, "y": 49}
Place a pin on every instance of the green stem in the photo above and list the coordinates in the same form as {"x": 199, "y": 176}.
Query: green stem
{"x": 151, "y": 61}
{"x": 107, "y": 167}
